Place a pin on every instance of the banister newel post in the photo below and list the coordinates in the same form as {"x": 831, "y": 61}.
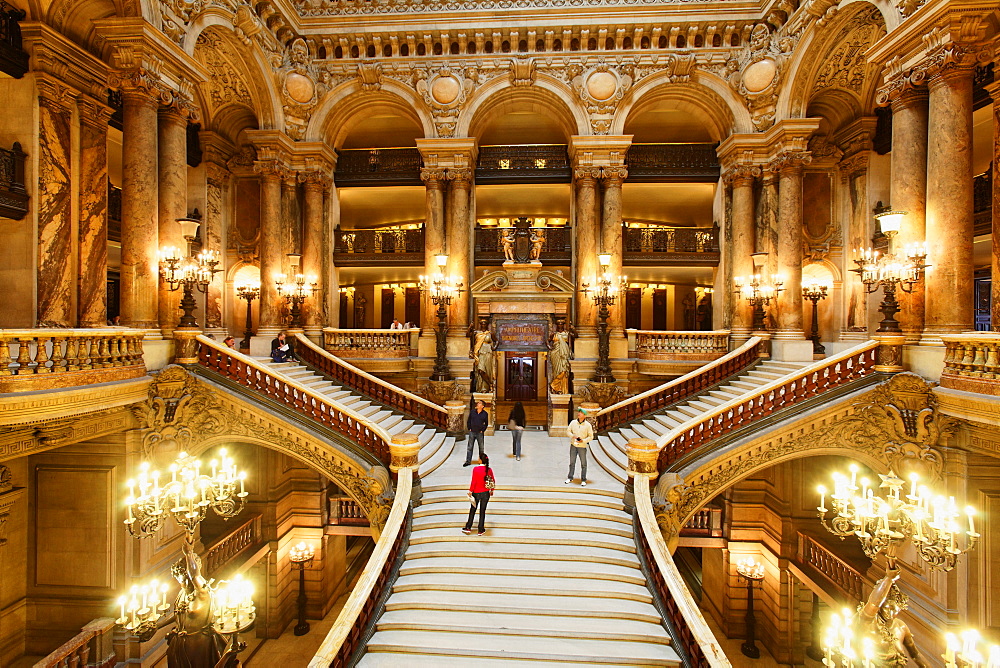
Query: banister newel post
{"x": 404, "y": 451}
{"x": 642, "y": 460}
{"x": 889, "y": 354}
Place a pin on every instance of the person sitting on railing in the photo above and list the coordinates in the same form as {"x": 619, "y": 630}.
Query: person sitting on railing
{"x": 229, "y": 342}
{"x": 281, "y": 350}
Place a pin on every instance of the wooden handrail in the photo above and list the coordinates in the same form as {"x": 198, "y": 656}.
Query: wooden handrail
{"x": 250, "y": 373}
{"x": 347, "y": 633}
{"x": 371, "y": 386}
{"x": 679, "y": 389}
{"x": 836, "y": 570}
{"x": 95, "y": 638}
{"x": 807, "y": 382}
{"x": 697, "y": 640}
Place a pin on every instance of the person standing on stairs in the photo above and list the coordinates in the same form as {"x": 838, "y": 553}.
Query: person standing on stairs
{"x": 478, "y": 423}
{"x": 516, "y": 422}
{"x": 580, "y": 436}
{"x": 480, "y": 490}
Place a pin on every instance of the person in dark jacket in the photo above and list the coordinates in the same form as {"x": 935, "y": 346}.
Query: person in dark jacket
{"x": 281, "y": 349}
{"x": 478, "y": 422}
{"x": 516, "y": 422}
{"x": 480, "y": 494}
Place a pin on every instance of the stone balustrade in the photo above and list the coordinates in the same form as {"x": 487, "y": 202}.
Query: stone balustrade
{"x": 92, "y": 647}
{"x": 707, "y": 522}
{"x": 368, "y": 343}
{"x": 811, "y": 553}
{"x": 223, "y": 551}
{"x": 39, "y": 359}
{"x": 666, "y": 345}
{"x": 345, "y": 511}
{"x": 972, "y": 362}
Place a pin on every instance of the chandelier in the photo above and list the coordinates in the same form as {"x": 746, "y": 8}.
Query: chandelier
{"x": 758, "y": 289}
{"x": 295, "y": 292}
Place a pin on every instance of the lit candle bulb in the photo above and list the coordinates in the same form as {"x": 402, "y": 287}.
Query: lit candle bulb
{"x": 822, "y": 499}
{"x": 121, "y": 602}
{"x": 971, "y": 512}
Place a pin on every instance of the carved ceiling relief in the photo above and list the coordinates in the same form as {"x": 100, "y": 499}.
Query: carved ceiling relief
{"x": 846, "y": 66}
{"x": 445, "y": 91}
{"x": 225, "y": 84}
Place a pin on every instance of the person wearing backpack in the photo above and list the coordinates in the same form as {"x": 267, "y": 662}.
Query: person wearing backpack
{"x": 480, "y": 490}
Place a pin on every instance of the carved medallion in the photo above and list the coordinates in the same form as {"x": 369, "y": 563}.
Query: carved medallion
{"x": 602, "y": 85}
{"x": 446, "y": 88}
{"x": 758, "y": 76}
{"x": 300, "y": 88}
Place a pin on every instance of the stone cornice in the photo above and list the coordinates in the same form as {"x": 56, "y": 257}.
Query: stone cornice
{"x": 55, "y": 55}
{"x": 23, "y": 408}
{"x": 449, "y": 153}
{"x": 786, "y": 138}
{"x": 980, "y": 408}
{"x": 598, "y": 150}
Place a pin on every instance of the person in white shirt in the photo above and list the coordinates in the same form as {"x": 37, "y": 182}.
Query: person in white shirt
{"x": 580, "y": 436}
{"x": 396, "y": 324}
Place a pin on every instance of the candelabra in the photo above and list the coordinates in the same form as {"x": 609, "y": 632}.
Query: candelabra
{"x": 963, "y": 651}
{"x": 753, "y": 573}
{"x": 890, "y": 271}
{"x": 815, "y": 292}
{"x": 188, "y": 272}
{"x": 758, "y": 291}
{"x": 301, "y": 555}
{"x": 296, "y": 293}
{"x": 605, "y": 288}
{"x": 249, "y": 292}
{"x": 882, "y": 525}
{"x": 442, "y": 290}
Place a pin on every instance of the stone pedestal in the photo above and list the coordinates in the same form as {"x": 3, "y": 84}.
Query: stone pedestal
{"x": 488, "y": 399}
{"x": 559, "y": 414}
{"x": 642, "y": 455}
{"x": 403, "y": 452}
{"x": 186, "y": 345}
{"x": 591, "y": 407}
{"x": 788, "y": 350}
{"x": 765, "y": 348}
{"x": 456, "y": 415}
{"x": 889, "y": 355}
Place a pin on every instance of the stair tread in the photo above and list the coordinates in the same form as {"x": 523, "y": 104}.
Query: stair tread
{"x": 514, "y": 584}
{"x": 525, "y": 567}
{"x": 580, "y": 605}
{"x": 475, "y": 546}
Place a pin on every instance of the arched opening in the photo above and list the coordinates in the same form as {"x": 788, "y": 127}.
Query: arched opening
{"x": 437, "y": 48}
{"x": 455, "y": 49}
{"x": 609, "y": 44}
{"x": 338, "y": 52}
{"x": 522, "y": 46}
{"x": 470, "y": 48}
{"x": 574, "y": 44}
{"x": 540, "y": 45}
{"x": 557, "y": 45}
{"x": 592, "y": 44}
{"x": 404, "y": 50}
{"x": 627, "y": 43}
{"x": 681, "y": 41}
{"x": 505, "y": 46}
{"x": 355, "y": 51}
{"x": 662, "y": 43}
{"x": 488, "y": 47}
{"x": 734, "y": 40}
{"x": 370, "y": 51}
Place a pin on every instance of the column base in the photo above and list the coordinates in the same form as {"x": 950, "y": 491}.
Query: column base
{"x": 788, "y": 335}
{"x": 559, "y": 414}
{"x": 854, "y": 336}
{"x": 738, "y": 336}
{"x": 786, "y": 350}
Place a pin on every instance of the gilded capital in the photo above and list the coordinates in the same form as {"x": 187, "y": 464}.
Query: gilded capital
{"x": 460, "y": 177}
{"x": 614, "y": 176}
{"x": 586, "y": 175}
{"x": 271, "y": 168}
{"x": 314, "y": 179}
{"x": 54, "y": 94}
{"x": 433, "y": 177}
{"x": 93, "y": 113}
{"x": 741, "y": 173}
{"x": 789, "y": 161}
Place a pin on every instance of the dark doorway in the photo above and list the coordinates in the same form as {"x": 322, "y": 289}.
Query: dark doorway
{"x": 520, "y": 376}
{"x": 388, "y": 307}
{"x": 113, "y": 304}
{"x": 659, "y": 309}
{"x": 344, "y": 324}
{"x": 412, "y": 302}
{"x": 633, "y": 308}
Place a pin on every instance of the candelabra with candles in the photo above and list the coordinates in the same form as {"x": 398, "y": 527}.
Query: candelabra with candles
{"x": 962, "y": 651}
{"x": 249, "y": 292}
{"x": 882, "y": 525}
{"x": 753, "y": 572}
{"x": 442, "y": 290}
{"x": 188, "y": 272}
{"x": 758, "y": 290}
{"x": 301, "y": 555}
{"x": 815, "y": 292}
{"x": 202, "y": 607}
{"x": 890, "y": 271}
{"x": 295, "y": 293}
{"x": 605, "y": 288}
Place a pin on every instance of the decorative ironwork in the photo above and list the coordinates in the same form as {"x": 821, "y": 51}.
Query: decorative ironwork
{"x": 378, "y": 167}
{"x": 387, "y": 246}
{"x": 13, "y": 196}
{"x": 658, "y": 245}
{"x": 556, "y": 246}
{"x": 548, "y": 163}
{"x": 13, "y": 57}
{"x": 691, "y": 163}
{"x": 983, "y": 76}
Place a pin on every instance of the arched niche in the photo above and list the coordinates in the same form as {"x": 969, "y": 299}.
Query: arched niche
{"x": 499, "y": 107}
{"x": 707, "y": 98}
{"x": 351, "y": 112}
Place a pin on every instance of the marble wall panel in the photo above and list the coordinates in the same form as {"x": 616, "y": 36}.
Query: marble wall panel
{"x": 55, "y": 227}
{"x": 93, "y": 230}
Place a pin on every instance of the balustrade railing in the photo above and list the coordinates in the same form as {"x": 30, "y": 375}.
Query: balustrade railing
{"x": 92, "y": 647}
{"x": 13, "y": 57}
{"x": 678, "y": 240}
{"x": 664, "y": 345}
{"x": 680, "y": 162}
{"x": 833, "y": 568}
{"x": 345, "y": 510}
{"x": 377, "y": 389}
{"x": 681, "y": 388}
{"x": 35, "y": 359}
{"x": 536, "y": 162}
{"x": 247, "y": 372}
{"x": 368, "y": 342}
{"x": 972, "y": 362}
{"x": 13, "y": 195}
{"x": 706, "y": 522}
{"x": 380, "y": 244}
{"x": 220, "y": 553}
{"x": 557, "y": 246}
{"x": 349, "y": 632}
{"x": 378, "y": 167}
{"x": 808, "y": 382}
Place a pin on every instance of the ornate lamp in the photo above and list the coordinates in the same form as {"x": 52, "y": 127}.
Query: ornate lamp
{"x": 301, "y": 555}
{"x": 753, "y": 572}
{"x": 296, "y": 292}
{"x": 890, "y": 271}
{"x": 605, "y": 287}
{"x": 442, "y": 290}
{"x": 758, "y": 290}
{"x": 248, "y": 291}
{"x": 815, "y": 292}
{"x": 188, "y": 272}
{"x": 963, "y": 651}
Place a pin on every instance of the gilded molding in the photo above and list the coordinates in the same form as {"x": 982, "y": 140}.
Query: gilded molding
{"x": 23, "y": 440}
{"x": 40, "y": 407}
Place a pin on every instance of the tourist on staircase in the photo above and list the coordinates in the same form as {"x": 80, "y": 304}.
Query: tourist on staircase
{"x": 516, "y": 422}
{"x": 281, "y": 350}
{"x": 480, "y": 490}
{"x": 581, "y": 433}
{"x": 478, "y": 422}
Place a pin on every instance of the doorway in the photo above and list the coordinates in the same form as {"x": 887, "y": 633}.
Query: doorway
{"x": 520, "y": 376}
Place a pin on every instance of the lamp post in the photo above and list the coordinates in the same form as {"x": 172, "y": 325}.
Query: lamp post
{"x": 890, "y": 271}
{"x": 297, "y": 292}
{"x": 248, "y": 291}
{"x": 188, "y": 272}
{"x": 753, "y": 573}
{"x": 605, "y": 288}
{"x": 442, "y": 290}
{"x": 301, "y": 555}
{"x": 758, "y": 290}
{"x": 815, "y": 292}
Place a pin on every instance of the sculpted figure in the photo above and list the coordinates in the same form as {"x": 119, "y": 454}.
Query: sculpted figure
{"x": 507, "y": 241}
{"x": 482, "y": 353}
{"x": 560, "y": 353}
{"x": 537, "y": 240}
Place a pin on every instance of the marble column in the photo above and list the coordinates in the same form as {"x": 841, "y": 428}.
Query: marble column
{"x": 611, "y": 235}
{"x": 949, "y": 281}
{"x": 312, "y": 249}
{"x": 140, "y": 233}
{"x": 172, "y": 202}
{"x": 789, "y": 249}
{"x": 909, "y": 193}
{"x": 586, "y": 235}
{"x": 330, "y": 316}
{"x": 995, "y": 263}
{"x": 459, "y": 247}
{"x": 854, "y": 170}
{"x": 270, "y": 249}
{"x": 55, "y": 285}
{"x": 434, "y": 180}
{"x": 92, "y": 236}
{"x": 742, "y": 245}
{"x": 291, "y": 226}
{"x": 211, "y": 238}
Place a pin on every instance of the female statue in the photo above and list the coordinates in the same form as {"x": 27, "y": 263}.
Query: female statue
{"x": 560, "y": 353}
{"x": 482, "y": 353}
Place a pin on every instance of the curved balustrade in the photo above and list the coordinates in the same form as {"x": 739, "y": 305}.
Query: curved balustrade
{"x": 379, "y": 343}
{"x": 381, "y": 391}
{"x": 808, "y": 382}
{"x": 972, "y": 362}
{"x": 679, "y": 389}
{"x": 93, "y": 647}
{"x": 247, "y": 372}
{"x": 348, "y": 634}
{"x": 665, "y": 345}
{"x": 230, "y": 546}
{"x": 32, "y": 359}
{"x": 836, "y": 570}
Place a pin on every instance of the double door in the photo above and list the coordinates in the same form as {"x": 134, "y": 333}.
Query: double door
{"x": 520, "y": 379}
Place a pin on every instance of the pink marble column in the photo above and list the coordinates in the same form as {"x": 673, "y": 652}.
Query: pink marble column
{"x": 611, "y": 235}
{"x": 854, "y": 171}
{"x": 909, "y": 193}
{"x": 949, "y": 280}
{"x": 54, "y": 201}
{"x": 789, "y": 248}
{"x": 312, "y": 248}
{"x": 211, "y": 236}
{"x": 434, "y": 181}
{"x": 586, "y": 235}
{"x": 742, "y": 245}
{"x": 995, "y": 262}
{"x": 459, "y": 246}
{"x": 92, "y": 235}
{"x": 140, "y": 234}
{"x": 270, "y": 249}
{"x": 172, "y": 202}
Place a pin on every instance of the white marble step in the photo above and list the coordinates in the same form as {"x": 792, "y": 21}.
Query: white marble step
{"x": 491, "y": 583}
{"x": 497, "y": 533}
{"x": 525, "y": 568}
{"x": 389, "y": 660}
{"x": 529, "y": 511}
{"x": 475, "y": 547}
{"x": 606, "y": 455}
{"x": 515, "y": 522}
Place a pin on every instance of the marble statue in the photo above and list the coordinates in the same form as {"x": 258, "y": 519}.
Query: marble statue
{"x": 560, "y": 353}
{"x": 482, "y": 353}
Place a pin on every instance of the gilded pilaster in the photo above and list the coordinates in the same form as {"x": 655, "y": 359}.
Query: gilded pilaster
{"x": 92, "y": 235}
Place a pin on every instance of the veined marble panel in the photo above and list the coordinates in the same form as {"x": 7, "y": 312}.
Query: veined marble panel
{"x": 93, "y": 232}
{"x": 55, "y": 278}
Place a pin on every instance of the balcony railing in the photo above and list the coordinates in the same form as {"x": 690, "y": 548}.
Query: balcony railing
{"x": 972, "y": 362}
{"x": 395, "y": 247}
{"x": 41, "y": 359}
{"x": 707, "y": 522}
{"x": 671, "y": 245}
{"x": 13, "y": 57}
{"x": 364, "y": 343}
{"x": 556, "y": 249}
{"x": 833, "y": 568}
{"x": 689, "y": 163}
{"x": 223, "y": 551}
{"x": 92, "y": 647}
{"x": 665, "y": 345}
{"x": 13, "y": 196}
{"x": 378, "y": 167}
{"x": 345, "y": 511}
{"x": 541, "y": 163}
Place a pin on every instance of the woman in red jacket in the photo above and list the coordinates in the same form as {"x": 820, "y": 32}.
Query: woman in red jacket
{"x": 480, "y": 491}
